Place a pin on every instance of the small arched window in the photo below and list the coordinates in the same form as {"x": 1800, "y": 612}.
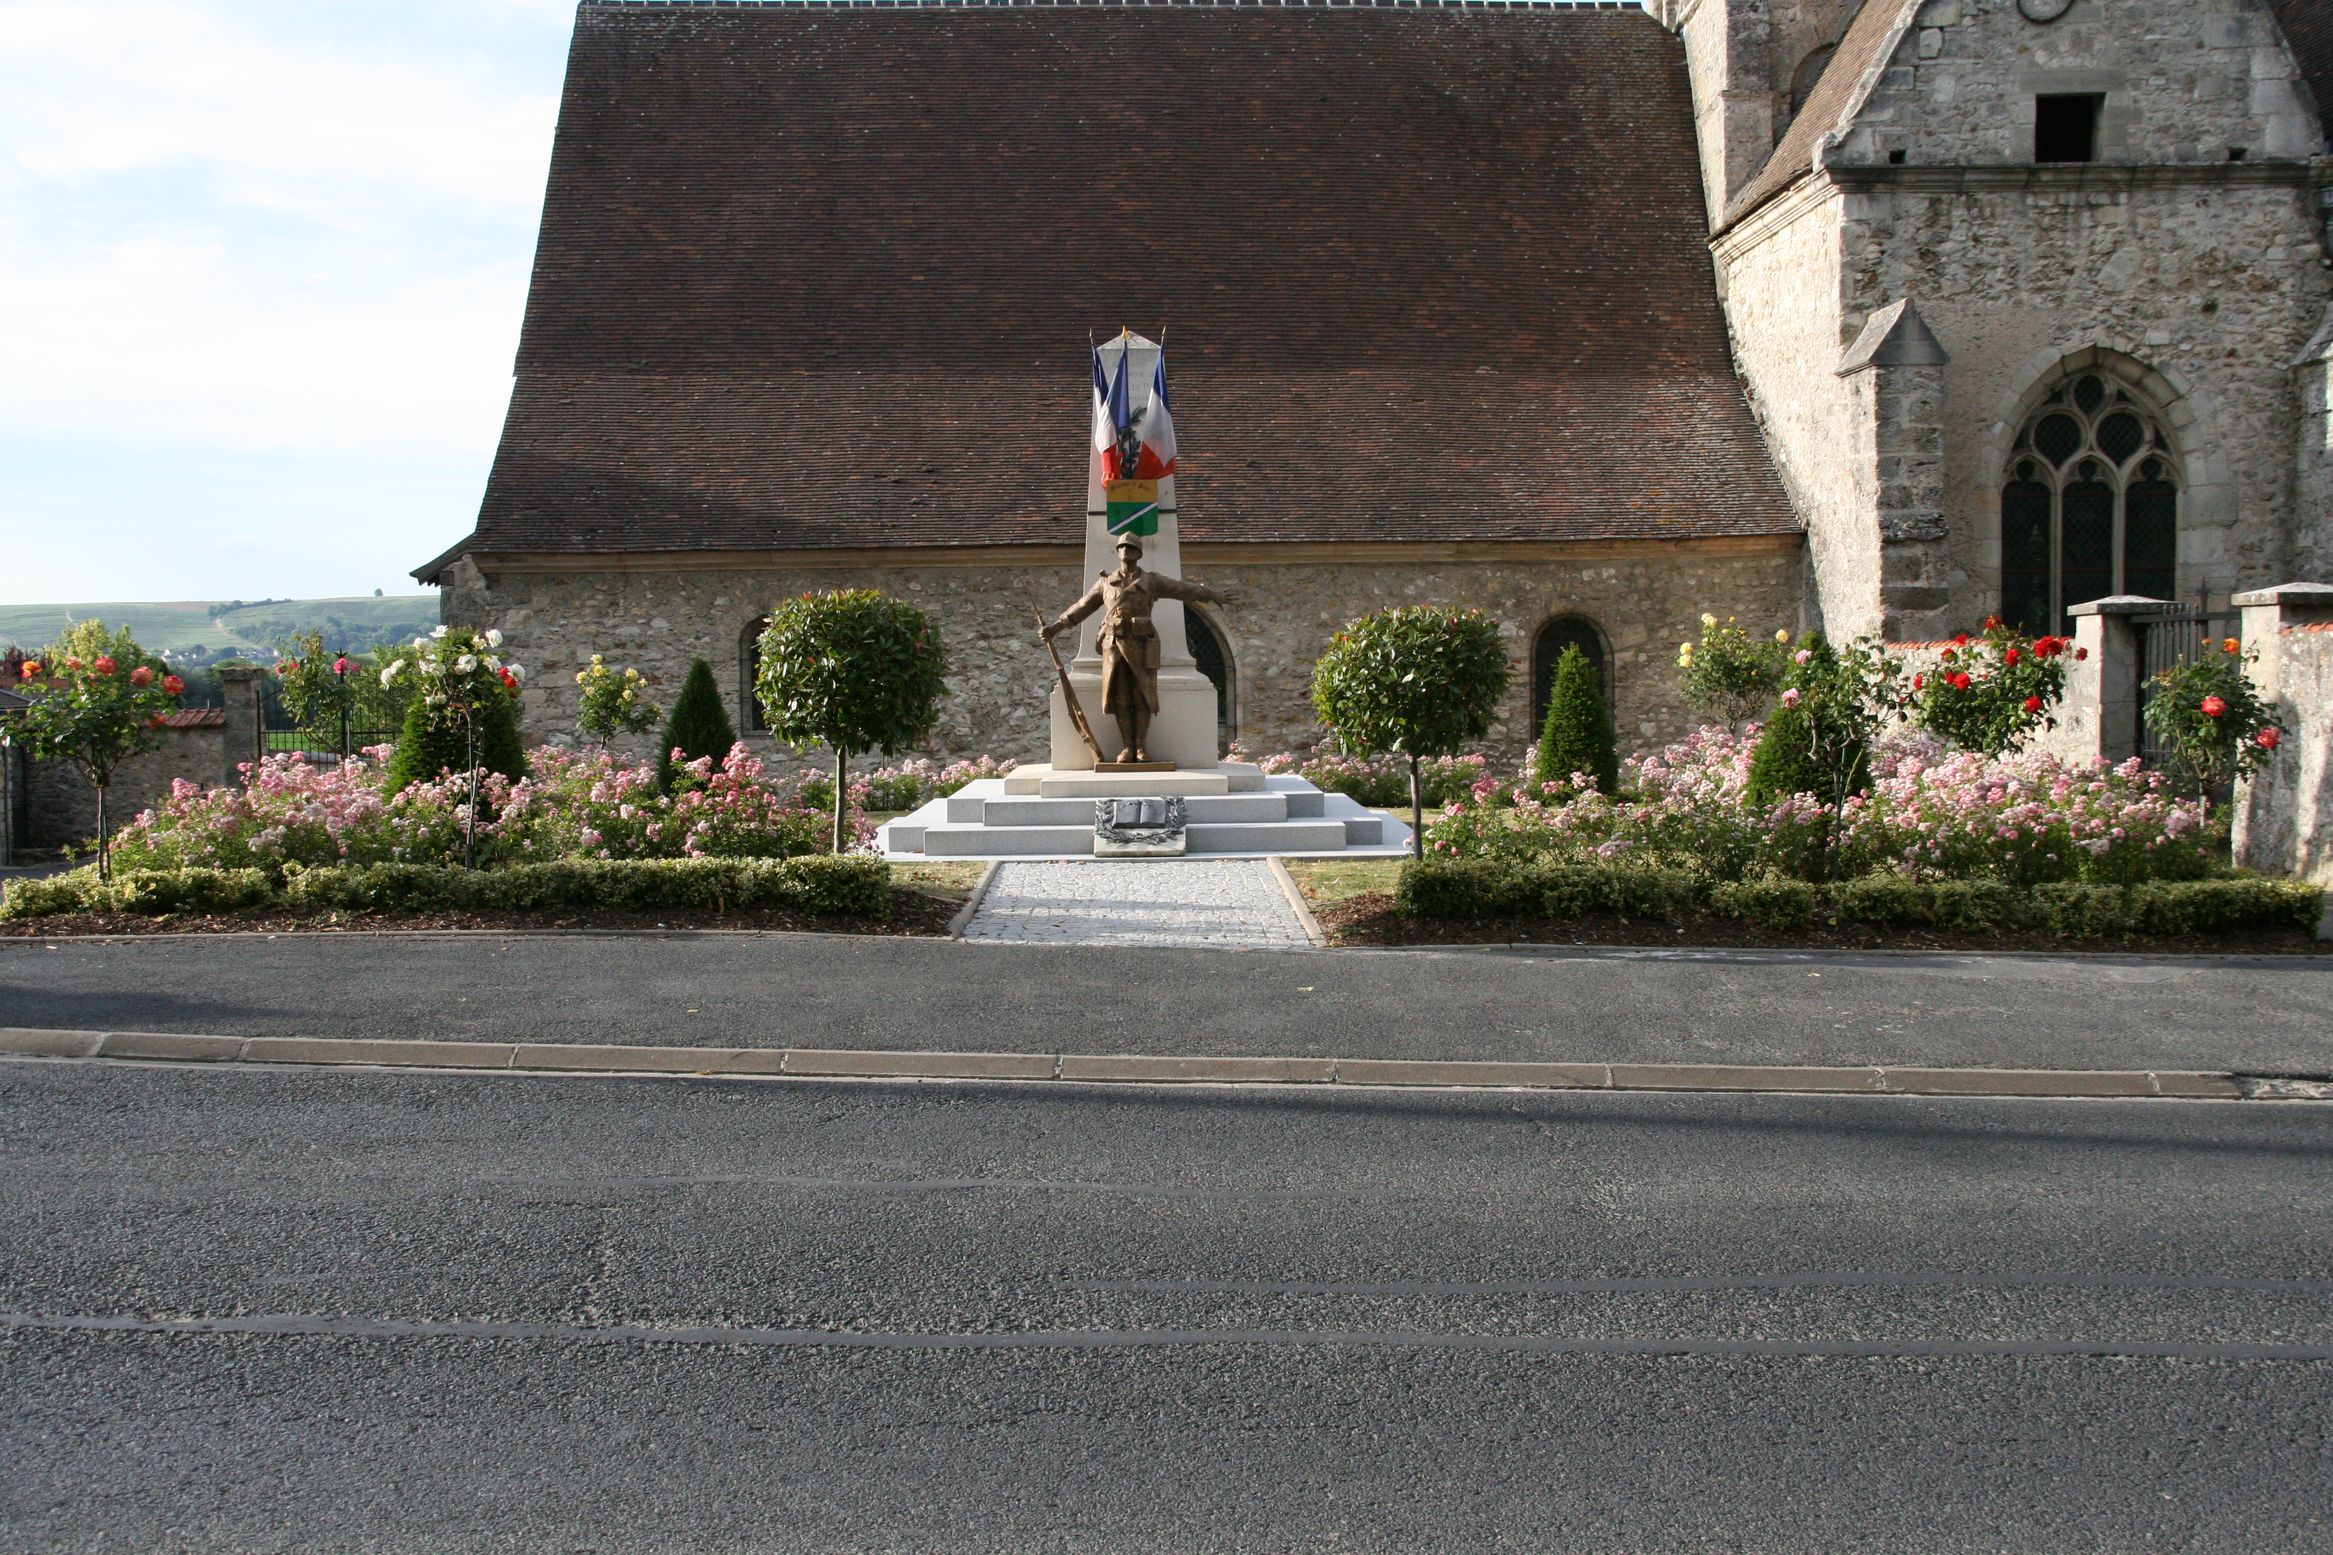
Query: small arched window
{"x": 2090, "y": 506}
{"x": 750, "y": 719}
{"x": 1561, "y": 633}
{"x": 1214, "y": 661}
{"x": 1802, "y": 82}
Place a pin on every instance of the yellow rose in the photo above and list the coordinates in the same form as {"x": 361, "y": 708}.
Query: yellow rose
{"x": 1707, "y": 620}
{"x": 1782, "y": 634}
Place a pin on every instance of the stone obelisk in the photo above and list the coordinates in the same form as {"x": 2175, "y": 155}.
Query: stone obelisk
{"x": 1184, "y": 730}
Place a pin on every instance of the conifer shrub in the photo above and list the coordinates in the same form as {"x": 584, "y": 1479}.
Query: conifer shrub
{"x": 432, "y": 742}
{"x": 1577, "y": 734}
{"x": 699, "y": 726}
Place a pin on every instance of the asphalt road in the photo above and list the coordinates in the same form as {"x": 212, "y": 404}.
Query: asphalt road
{"x": 540, "y": 1314}
{"x": 2269, "y": 1015}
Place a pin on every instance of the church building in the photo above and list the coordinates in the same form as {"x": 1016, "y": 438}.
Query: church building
{"x": 1877, "y": 315}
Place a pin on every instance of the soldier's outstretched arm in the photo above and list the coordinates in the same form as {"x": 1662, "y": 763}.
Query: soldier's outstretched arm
{"x": 1077, "y": 612}
{"x": 1184, "y": 588}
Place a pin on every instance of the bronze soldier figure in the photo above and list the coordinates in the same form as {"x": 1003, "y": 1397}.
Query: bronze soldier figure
{"x": 1128, "y": 641}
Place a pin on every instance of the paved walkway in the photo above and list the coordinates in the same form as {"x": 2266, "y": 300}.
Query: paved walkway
{"x": 1231, "y": 904}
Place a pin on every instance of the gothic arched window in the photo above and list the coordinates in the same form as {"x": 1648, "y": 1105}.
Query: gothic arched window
{"x": 2090, "y": 507}
{"x": 1546, "y": 648}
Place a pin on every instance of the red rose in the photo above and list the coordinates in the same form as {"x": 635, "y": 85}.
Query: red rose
{"x": 1948, "y": 655}
{"x": 287, "y": 666}
{"x": 2267, "y": 738}
{"x": 2214, "y": 706}
{"x": 1960, "y": 682}
{"x": 154, "y": 722}
{"x": 1919, "y": 681}
{"x": 2080, "y": 654}
{"x": 2010, "y": 657}
{"x": 141, "y": 677}
{"x": 104, "y": 666}
{"x": 1960, "y": 639}
{"x": 1992, "y": 623}
{"x": 172, "y": 684}
{"x": 2033, "y": 704}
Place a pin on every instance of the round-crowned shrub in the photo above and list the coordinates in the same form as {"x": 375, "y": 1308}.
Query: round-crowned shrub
{"x": 853, "y": 670}
{"x": 1419, "y": 680}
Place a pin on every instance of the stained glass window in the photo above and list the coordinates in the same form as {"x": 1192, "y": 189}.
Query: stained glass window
{"x": 2091, "y": 510}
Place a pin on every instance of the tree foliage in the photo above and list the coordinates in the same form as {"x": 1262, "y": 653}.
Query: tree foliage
{"x": 854, "y": 670}
{"x": 1577, "y": 734}
{"x": 1819, "y": 738}
{"x": 96, "y": 700}
{"x": 1419, "y": 680}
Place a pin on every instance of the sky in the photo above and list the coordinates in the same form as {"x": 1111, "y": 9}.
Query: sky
{"x": 265, "y": 262}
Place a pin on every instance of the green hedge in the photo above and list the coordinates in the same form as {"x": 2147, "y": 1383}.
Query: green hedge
{"x": 1465, "y": 889}
{"x": 821, "y": 884}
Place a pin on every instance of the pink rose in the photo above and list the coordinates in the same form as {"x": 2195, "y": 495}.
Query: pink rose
{"x": 1790, "y": 697}
{"x": 141, "y": 677}
{"x": 2214, "y": 706}
{"x": 2268, "y": 739}
{"x": 172, "y": 684}
{"x": 103, "y": 666}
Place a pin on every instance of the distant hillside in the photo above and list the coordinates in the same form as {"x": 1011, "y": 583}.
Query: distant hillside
{"x": 200, "y": 630}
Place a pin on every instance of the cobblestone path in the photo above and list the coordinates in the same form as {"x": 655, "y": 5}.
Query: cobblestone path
{"x": 1232, "y": 903}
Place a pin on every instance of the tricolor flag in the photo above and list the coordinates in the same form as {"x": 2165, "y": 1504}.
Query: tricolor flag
{"x": 1113, "y": 414}
{"x": 1158, "y": 429}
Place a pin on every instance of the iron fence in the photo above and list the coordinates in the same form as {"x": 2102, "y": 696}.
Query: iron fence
{"x": 2177, "y": 634}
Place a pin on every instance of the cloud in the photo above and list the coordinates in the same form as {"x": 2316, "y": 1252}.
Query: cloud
{"x": 311, "y": 238}
{"x": 327, "y": 130}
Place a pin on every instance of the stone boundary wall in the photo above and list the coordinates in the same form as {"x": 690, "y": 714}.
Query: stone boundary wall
{"x": 2284, "y": 815}
{"x": 63, "y": 807}
{"x": 1279, "y": 617}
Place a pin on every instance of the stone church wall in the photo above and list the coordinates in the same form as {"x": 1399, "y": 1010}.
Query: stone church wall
{"x": 1645, "y": 599}
{"x": 1779, "y": 273}
{"x": 2196, "y": 298}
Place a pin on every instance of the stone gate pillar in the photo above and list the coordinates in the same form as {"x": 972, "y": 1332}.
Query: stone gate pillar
{"x": 1895, "y": 369}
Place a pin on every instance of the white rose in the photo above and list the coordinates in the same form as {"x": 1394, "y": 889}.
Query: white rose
{"x": 438, "y": 631}
{"x": 390, "y": 673}
{"x": 518, "y": 672}
{"x": 465, "y": 664}
{"x": 492, "y": 662}
{"x": 493, "y": 638}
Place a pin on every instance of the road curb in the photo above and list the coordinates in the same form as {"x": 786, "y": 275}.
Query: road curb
{"x": 1155, "y": 1069}
{"x": 963, "y": 919}
{"x": 1297, "y": 904}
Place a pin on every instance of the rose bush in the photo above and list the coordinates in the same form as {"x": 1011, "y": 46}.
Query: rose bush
{"x": 1926, "y": 813}
{"x": 1990, "y": 693}
{"x": 2208, "y": 715}
{"x": 291, "y": 815}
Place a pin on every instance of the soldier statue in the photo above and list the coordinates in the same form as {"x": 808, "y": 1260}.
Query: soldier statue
{"x": 1128, "y": 641}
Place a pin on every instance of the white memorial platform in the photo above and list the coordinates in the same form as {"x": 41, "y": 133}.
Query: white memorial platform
{"x": 1235, "y": 810}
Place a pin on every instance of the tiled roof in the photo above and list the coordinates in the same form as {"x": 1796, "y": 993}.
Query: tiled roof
{"x": 1868, "y": 37}
{"x": 822, "y": 277}
{"x": 196, "y": 718}
{"x": 2308, "y": 27}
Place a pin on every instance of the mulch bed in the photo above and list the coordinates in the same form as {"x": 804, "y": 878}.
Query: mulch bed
{"x": 912, "y": 913}
{"x": 1369, "y": 919}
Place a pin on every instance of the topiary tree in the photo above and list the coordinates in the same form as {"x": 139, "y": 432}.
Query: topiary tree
{"x": 464, "y": 715}
{"x": 97, "y": 699}
{"x": 852, "y": 669}
{"x": 430, "y": 743}
{"x": 1577, "y": 734}
{"x": 1819, "y": 740}
{"x": 1419, "y": 681}
{"x": 699, "y": 725}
